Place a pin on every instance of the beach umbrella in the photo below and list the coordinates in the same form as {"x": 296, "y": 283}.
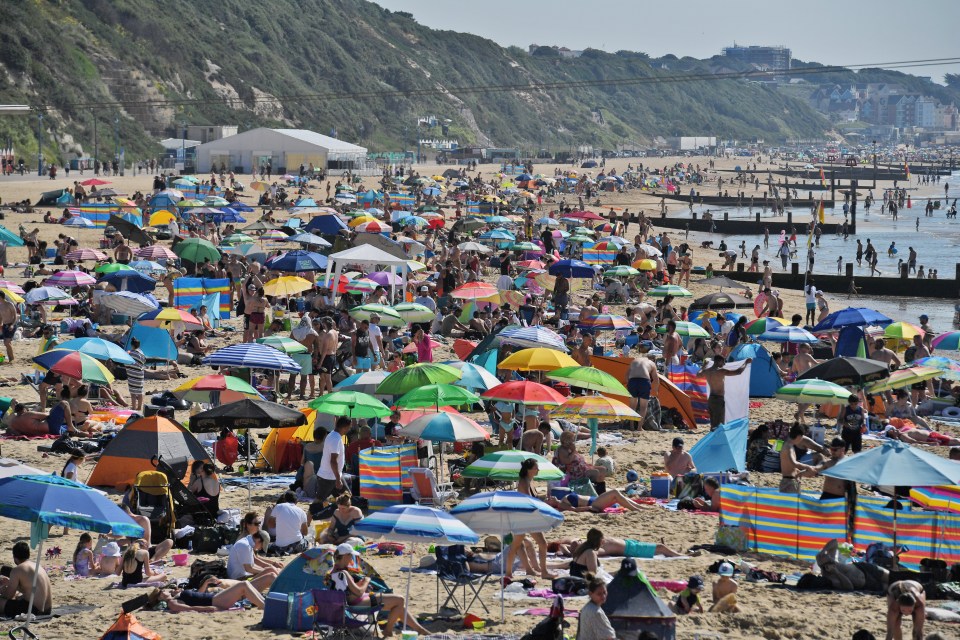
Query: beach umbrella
{"x": 253, "y": 356}
{"x": 215, "y": 390}
{"x": 950, "y": 369}
{"x": 247, "y": 414}
{"x": 128, "y": 303}
{"x": 417, "y": 375}
{"x": 13, "y": 296}
{"x": 847, "y": 371}
{"x": 283, "y": 344}
{"x": 548, "y": 222}
{"x": 155, "y": 252}
{"x": 472, "y": 376}
{"x": 607, "y": 322}
{"x": 532, "y": 337}
{"x": 168, "y": 317}
{"x": 44, "y": 294}
{"x": 238, "y": 238}
{"x": 525, "y": 392}
{"x": 146, "y": 266}
{"x": 814, "y": 392}
{"x": 904, "y": 378}
{"x": 352, "y": 404}
{"x": 196, "y": 250}
{"x": 789, "y": 333}
{"x": 474, "y": 291}
{"x": 504, "y": 466}
{"x": 572, "y": 269}
{"x": 526, "y": 246}
{"x": 412, "y": 312}
{"x": 414, "y": 524}
{"x": 309, "y": 239}
{"x": 365, "y": 382}
{"x": 79, "y": 255}
{"x": 437, "y": 395}
{"x": 762, "y": 325}
{"x": 473, "y": 246}
{"x": 546, "y": 281}
{"x": 669, "y": 290}
{"x": 595, "y": 407}
{"x": 949, "y": 341}
{"x": 295, "y": 261}
{"x": 286, "y": 286}
{"x": 373, "y": 226}
{"x": 722, "y": 281}
{"x": 98, "y": 348}
{"x": 444, "y": 427}
{"x": 385, "y": 278}
{"x": 12, "y": 286}
{"x": 74, "y": 364}
{"x": 720, "y": 300}
{"x": 902, "y": 331}
{"x": 79, "y": 221}
{"x": 46, "y": 501}
{"x": 687, "y": 329}
{"x": 94, "y": 182}
{"x": 361, "y": 286}
{"x": 588, "y": 378}
{"x": 388, "y": 315}
{"x": 69, "y": 278}
{"x": 621, "y": 271}
{"x": 852, "y": 317}
{"x": 539, "y": 359}
{"x": 130, "y": 280}
{"x": 500, "y": 512}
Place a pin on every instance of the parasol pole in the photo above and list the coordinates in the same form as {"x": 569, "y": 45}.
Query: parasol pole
{"x": 503, "y": 568}
{"x": 246, "y": 473}
{"x": 406, "y": 612}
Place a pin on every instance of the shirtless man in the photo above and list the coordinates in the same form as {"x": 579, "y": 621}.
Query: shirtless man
{"x": 643, "y": 381}
{"x": 801, "y": 362}
{"x": 714, "y": 376}
{"x": 772, "y": 304}
{"x": 9, "y": 316}
{"x": 15, "y": 590}
{"x": 792, "y": 469}
{"x": 329, "y": 341}
{"x": 904, "y": 598}
{"x": 122, "y": 253}
{"x": 834, "y": 487}
{"x": 584, "y": 353}
{"x": 305, "y": 335}
{"x": 882, "y": 354}
{"x": 678, "y": 462}
{"x": 767, "y": 274}
{"x": 671, "y": 344}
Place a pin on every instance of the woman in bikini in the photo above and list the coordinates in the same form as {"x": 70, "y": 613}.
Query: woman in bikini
{"x": 615, "y": 547}
{"x": 134, "y": 567}
{"x": 528, "y": 472}
{"x": 585, "y": 558}
{"x": 594, "y": 504}
{"x": 203, "y": 600}
{"x": 343, "y": 518}
{"x": 357, "y": 591}
{"x": 80, "y": 410}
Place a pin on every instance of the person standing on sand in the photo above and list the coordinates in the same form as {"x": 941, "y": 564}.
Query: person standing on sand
{"x": 9, "y": 317}
{"x": 643, "y": 381}
{"x": 329, "y": 341}
{"x": 671, "y": 344}
{"x": 790, "y": 468}
{"x": 714, "y": 375}
{"x": 835, "y": 487}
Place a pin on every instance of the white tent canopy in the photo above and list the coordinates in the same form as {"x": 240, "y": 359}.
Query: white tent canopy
{"x": 366, "y": 255}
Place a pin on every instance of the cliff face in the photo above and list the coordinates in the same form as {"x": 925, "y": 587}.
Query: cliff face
{"x": 140, "y": 68}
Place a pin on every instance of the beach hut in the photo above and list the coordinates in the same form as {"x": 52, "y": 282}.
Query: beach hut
{"x": 633, "y": 606}
{"x": 764, "y": 377}
{"x": 133, "y": 448}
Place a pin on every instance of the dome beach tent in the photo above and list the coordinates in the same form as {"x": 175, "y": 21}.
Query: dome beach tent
{"x": 633, "y": 606}
{"x": 764, "y": 377}
{"x": 137, "y": 443}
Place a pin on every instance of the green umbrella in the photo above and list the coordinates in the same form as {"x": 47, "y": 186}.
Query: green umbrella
{"x": 814, "y": 392}
{"x": 437, "y": 395}
{"x": 589, "y": 378}
{"x": 669, "y": 290}
{"x": 352, "y": 404}
{"x": 525, "y": 246}
{"x": 283, "y": 344}
{"x": 579, "y": 239}
{"x": 238, "y": 238}
{"x": 505, "y": 466}
{"x": 689, "y": 329}
{"x": 621, "y": 270}
{"x": 196, "y": 250}
{"x": 388, "y": 317}
{"x": 111, "y": 267}
{"x": 417, "y": 375}
{"x": 413, "y": 312}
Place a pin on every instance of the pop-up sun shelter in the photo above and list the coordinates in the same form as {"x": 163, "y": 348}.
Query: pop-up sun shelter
{"x": 633, "y": 606}
{"x": 156, "y": 343}
{"x": 764, "y": 377}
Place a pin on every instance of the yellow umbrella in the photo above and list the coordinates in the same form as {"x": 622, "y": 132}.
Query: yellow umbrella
{"x": 360, "y": 220}
{"x": 546, "y": 281}
{"x": 540, "y": 359}
{"x": 904, "y": 378}
{"x": 191, "y": 203}
{"x": 645, "y": 264}
{"x": 13, "y": 297}
{"x": 259, "y": 186}
{"x": 415, "y": 266}
{"x": 902, "y": 331}
{"x": 162, "y": 217}
{"x": 286, "y": 286}
{"x": 595, "y": 407}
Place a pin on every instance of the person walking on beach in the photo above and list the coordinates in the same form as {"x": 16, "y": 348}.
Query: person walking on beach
{"x": 859, "y": 253}
{"x": 911, "y": 260}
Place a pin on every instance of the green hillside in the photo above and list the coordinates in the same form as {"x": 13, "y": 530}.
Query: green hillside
{"x": 343, "y": 64}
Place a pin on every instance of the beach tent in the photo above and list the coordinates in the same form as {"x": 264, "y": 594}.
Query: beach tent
{"x": 633, "y": 606}
{"x": 309, "y": 570}
{"x": 155, "y": 342}
{"x": 851, "y": 342}
{"x": 50, "y": 198}
{"x": 137, "y": 443}
{"x": 326, "y": 224}
{"x": 671, "y": 397}
{"x": 723, "y": 449}
{"x": 280, "y": 451}
{"x": 764, "y": 377}
{"x": 127, "y": 627}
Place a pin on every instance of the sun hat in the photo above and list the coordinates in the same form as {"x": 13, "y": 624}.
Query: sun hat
{"x": 345, "y": 549}
{"x": 111, "y": 550}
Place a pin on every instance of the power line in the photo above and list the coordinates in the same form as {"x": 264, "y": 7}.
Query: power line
{"x": 506, "y": 88}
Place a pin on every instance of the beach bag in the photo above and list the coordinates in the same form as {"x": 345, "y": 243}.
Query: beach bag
{"x": 207, "y": 539}
{"x": 771, "y": 461}
{"x": 653, "y": 419}
{"x": 569, "y": 586}
{"x": 200, "y": 569}
{"x": 731, "y": 536}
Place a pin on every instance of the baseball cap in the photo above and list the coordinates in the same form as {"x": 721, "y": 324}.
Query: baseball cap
{"x": 345, "y": 549}
{"x": 678, "y": 442}
{"x": 111, "y": 550}
{"x": 695, "y": 582}
{"x": 424, "y": 289}
{"x": 726, "y": 569}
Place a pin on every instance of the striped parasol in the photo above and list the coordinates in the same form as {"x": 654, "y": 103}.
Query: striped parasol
{"x": 669, "y": 290}
{"x": 412, "y": 312}
{"x": 155, "y": 252}
{"x": 689, "y": 329}
{"x": 904, "y": 378}
{"x": 606, "y": 322}
{"x": 505, "y": 466}
{"x": 814, "y": 392}
{"x": 69, "y": 278}
{"x": 252, "y": 355}
{"x": 388, "y": 315}
{"x": 128, "y": 303}
{"x": 79, "y": 255}
{"x": 283, "y": 344}
{"x": 595, "y": 407}
{"x": 796, "y": 335}
{"x": 762, "y": 325}
{"x": 532, "y": 337}
{"x": 950, "y": 368}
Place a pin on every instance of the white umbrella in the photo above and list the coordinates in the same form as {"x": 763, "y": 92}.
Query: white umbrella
{"x": 128, "y": 303}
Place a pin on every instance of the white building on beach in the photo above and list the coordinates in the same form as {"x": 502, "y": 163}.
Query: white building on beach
{"x": 284, "y": 149}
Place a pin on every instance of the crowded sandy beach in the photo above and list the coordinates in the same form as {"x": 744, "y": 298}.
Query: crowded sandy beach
{"x": 588, "y": 351}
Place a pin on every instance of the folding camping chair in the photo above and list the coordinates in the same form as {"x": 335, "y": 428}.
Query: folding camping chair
{"x": 453, "y": 572}
{"x": 426, "y": 490}
{"x": 336, "y": 619}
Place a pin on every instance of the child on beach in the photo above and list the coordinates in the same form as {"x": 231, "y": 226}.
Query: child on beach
{"x": 725, "y": 590}
{"x": 83, "y": 561}
{"x": 604, "y": 460}
{"x": 689, "y": 597}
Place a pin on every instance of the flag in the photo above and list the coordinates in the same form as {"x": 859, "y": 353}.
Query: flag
{"x": 823, "y": 179}
{"x": 907, "y": 168}
{"x": 810, "y": 240}
{"x": 821, "y": 214}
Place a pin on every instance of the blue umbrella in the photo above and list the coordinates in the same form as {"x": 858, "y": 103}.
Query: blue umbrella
{"x": 413, "y": 523}
{"x": 548, "y": 222}
{"x": 572, "y": 269}
{"x": 130, "y": 280}
{"x": 473, "y": 377}
{"x": 47, "y": 501}
{"x": 239, "y": 206}
{"x": 79, "y": 221}
{"x": 852, "y": 317}
{"x": 365, "y": 382}
{"x": 252, "y": 355}
{"x": 431, "y": 191}
{"x": 98, "y": 348}
{"x": 298, "y": 261}
{"x": 506, "y": 511}
{"x": 498, "y": 234}
{"x": 796, "y": 335}
{"x": 723, "y": 449}
{"x": 326, "y": 224}
{"x": 148, "y": 266}
{"x": 305, "y": 202}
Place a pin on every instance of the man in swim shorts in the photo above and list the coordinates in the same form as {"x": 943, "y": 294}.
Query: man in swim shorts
{"x": 643, "y": 380}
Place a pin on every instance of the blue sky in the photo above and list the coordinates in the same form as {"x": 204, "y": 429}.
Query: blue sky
{"x": 840, "y": 32}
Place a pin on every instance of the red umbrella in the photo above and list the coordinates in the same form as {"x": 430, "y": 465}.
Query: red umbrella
{"x": 409, "y": 415}
{"x": 94, "y": 182}
{"x": 437, "y": 223}
{"x": 463, "y": 348}
{"x": 582, "y": 215}
{"x": 474, "y": 291}
{"x": 524, "y": 392}
{"x": 531, "y": 264}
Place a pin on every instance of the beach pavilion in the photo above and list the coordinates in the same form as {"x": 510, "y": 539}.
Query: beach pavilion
{"x": 284, "y": 149}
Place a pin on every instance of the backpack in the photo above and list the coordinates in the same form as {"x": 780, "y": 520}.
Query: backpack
{"x": 200, "y": 569}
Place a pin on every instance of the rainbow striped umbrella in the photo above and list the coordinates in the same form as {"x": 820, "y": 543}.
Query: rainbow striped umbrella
{"x": 762, "y": 325}
{"x": 949, "y": 368}
{"x": 814, "y": 392}
{"x": 361, "y": 285}
{"x": 595, "y": 407}
{"x": 949, "y": 341}
{"x": 74, "y": 364}
{"x": 904, "y": 377}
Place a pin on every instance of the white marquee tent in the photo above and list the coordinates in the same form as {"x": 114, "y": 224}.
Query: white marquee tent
{"x": 366, "y": 255}
{"x": 284, "y": 149}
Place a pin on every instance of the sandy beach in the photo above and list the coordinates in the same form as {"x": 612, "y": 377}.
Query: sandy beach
{"x": 768, "y": 611}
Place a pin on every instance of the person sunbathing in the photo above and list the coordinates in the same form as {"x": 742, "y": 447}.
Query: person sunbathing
{"x": 595, "y": 504}
{"x": 28, "y": 423}
{"x": 203, "y": 600}
{"x": 915, "y": 435}
{"x": 616, "y": 547}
